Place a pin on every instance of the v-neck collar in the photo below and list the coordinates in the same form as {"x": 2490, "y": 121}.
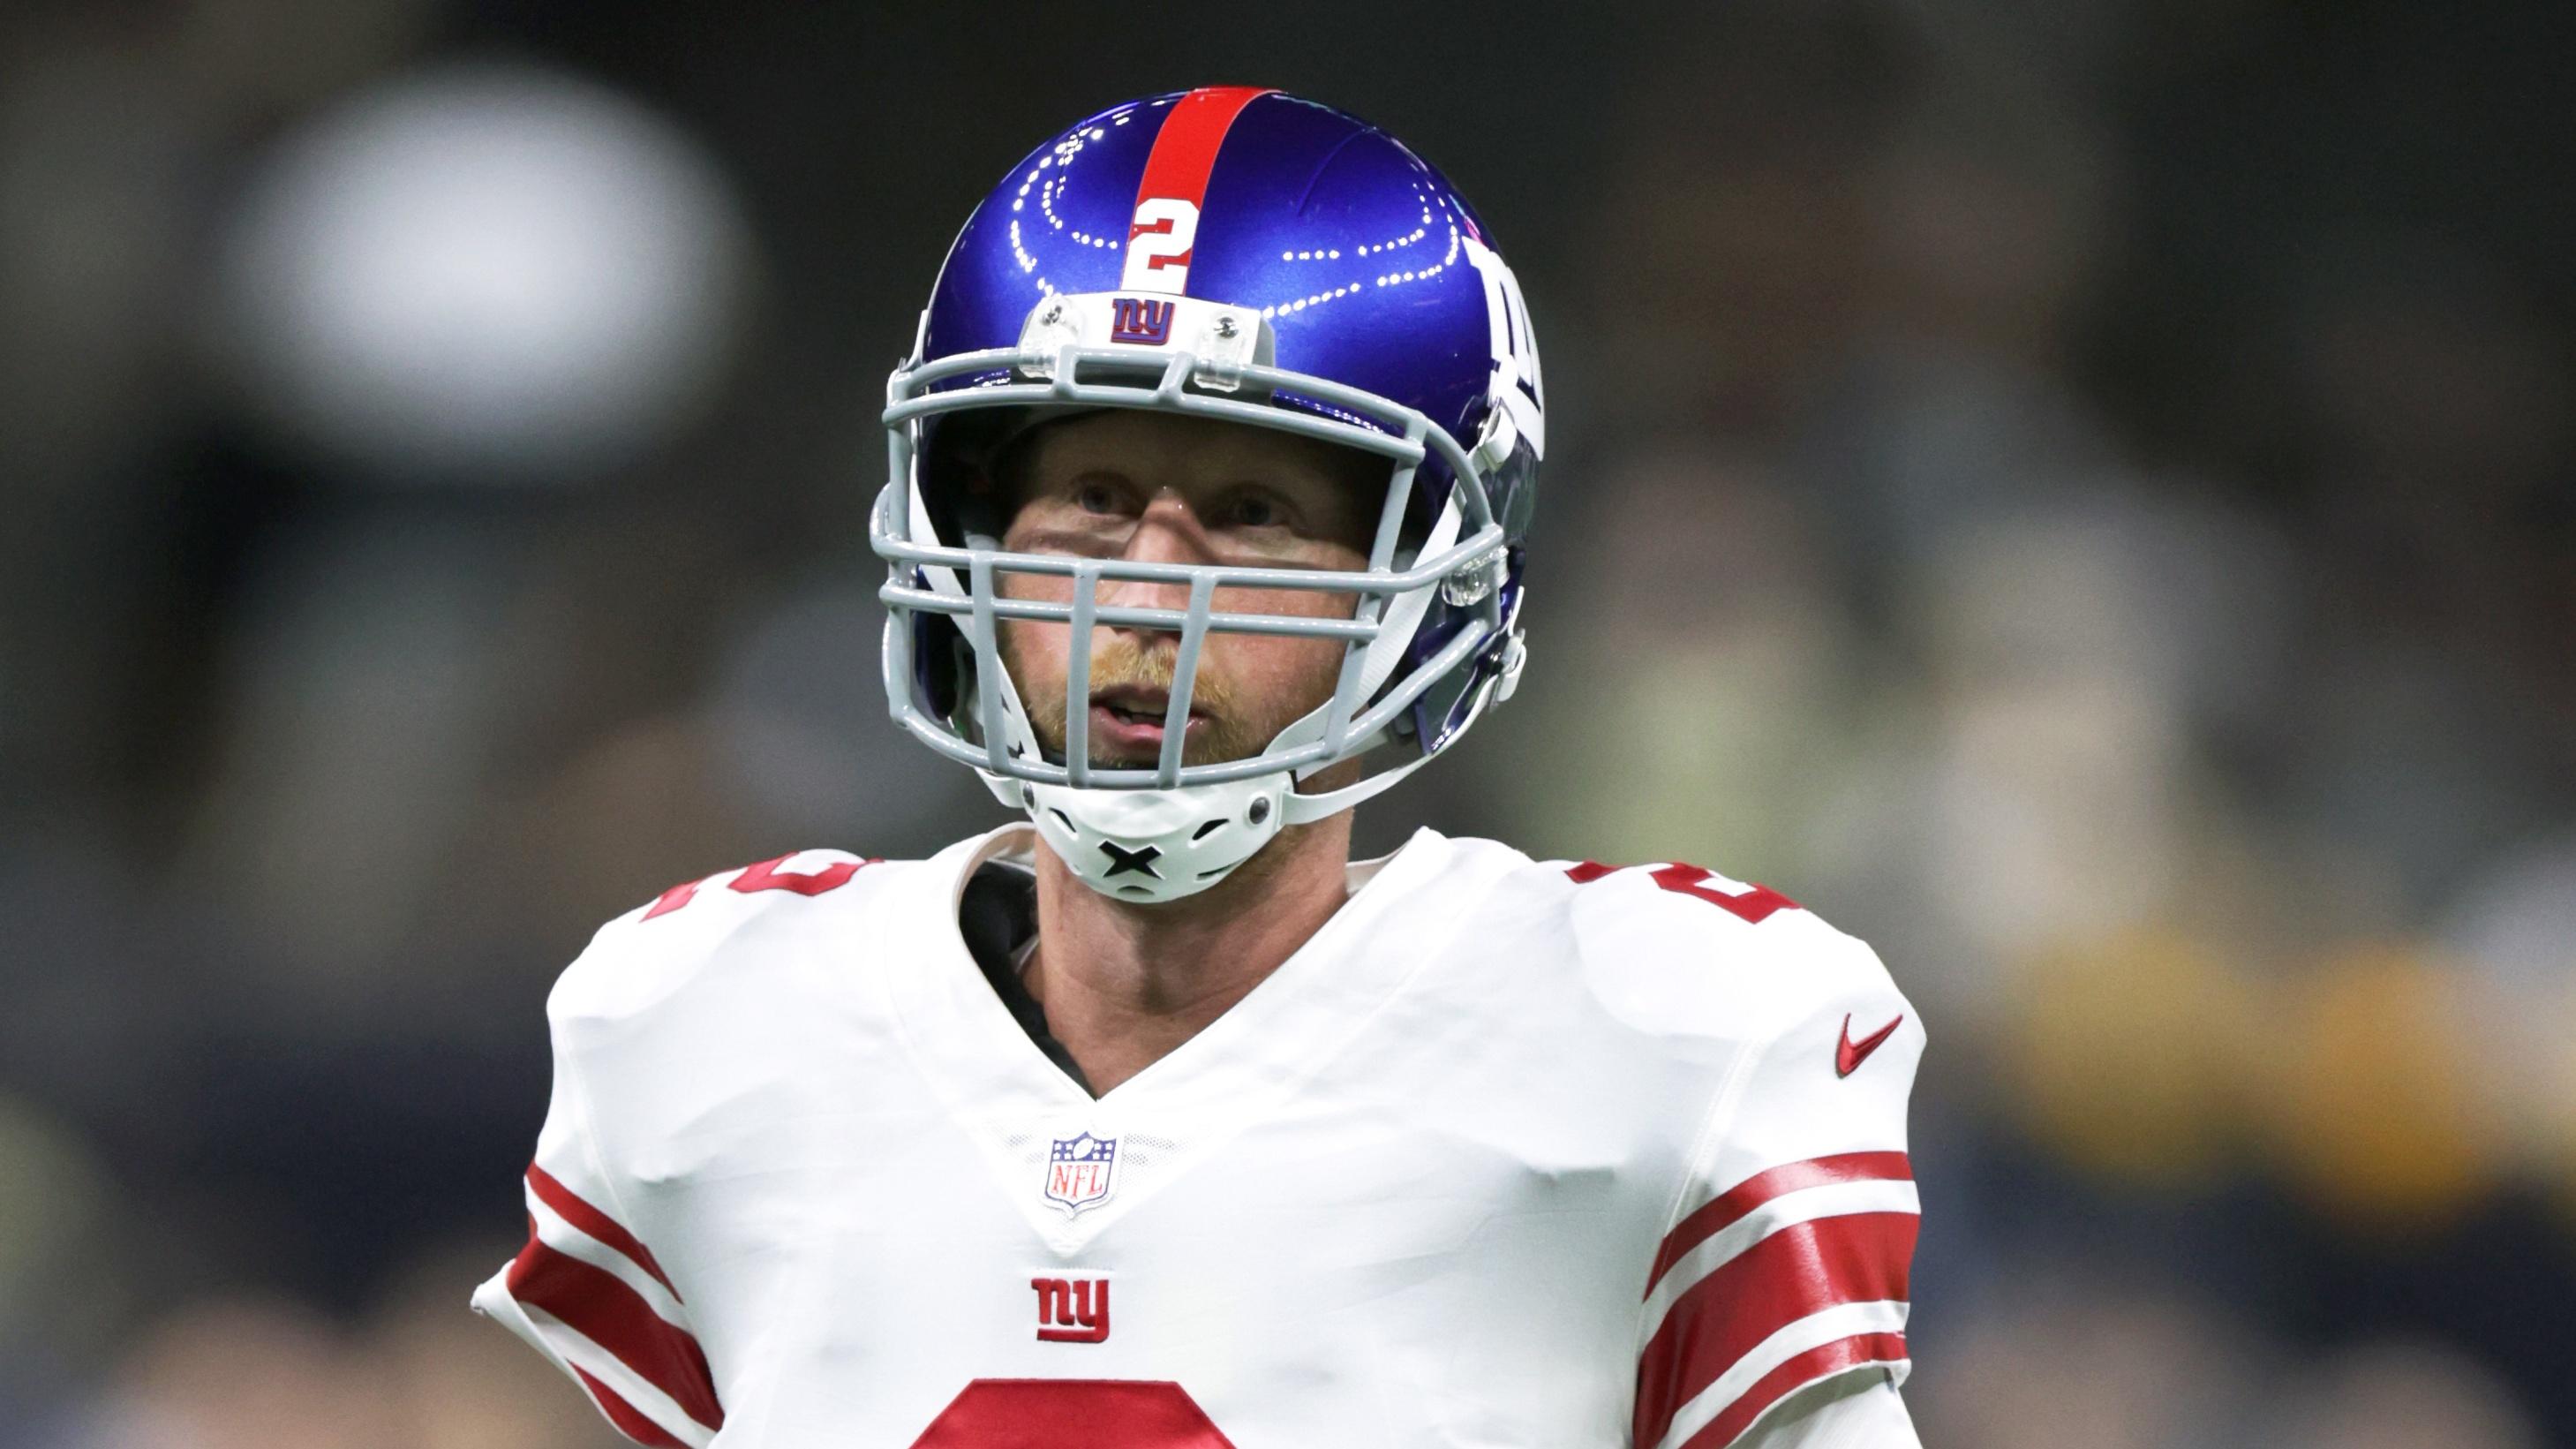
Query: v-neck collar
{"x": 1014, "y": 1100}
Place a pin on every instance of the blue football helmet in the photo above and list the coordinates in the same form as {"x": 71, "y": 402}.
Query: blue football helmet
{"x": 1238, "y": 254}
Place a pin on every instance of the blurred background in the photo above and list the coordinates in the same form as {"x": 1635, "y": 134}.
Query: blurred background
{"x": 2078, "y": 493}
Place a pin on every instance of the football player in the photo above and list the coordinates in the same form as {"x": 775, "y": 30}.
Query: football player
{"x": 1156, "y": 1121}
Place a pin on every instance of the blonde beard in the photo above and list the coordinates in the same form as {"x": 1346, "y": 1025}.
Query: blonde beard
{"x": 1118, "y": 660}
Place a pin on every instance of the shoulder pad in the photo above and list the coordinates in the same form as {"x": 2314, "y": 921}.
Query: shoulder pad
{"x": 643, "y": 956}
{"x": 1679, "y": 950}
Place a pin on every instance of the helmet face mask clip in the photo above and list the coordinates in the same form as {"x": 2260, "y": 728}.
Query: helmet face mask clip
{"x": 1435, "y": 608}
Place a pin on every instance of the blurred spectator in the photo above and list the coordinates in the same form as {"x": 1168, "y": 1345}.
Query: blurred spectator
{"x": 2087, "y": 1358}
{"x": 239, "y": 1373}
{"x": 2399, "y": 1396}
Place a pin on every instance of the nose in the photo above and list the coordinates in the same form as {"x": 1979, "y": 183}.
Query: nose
{"x": 1167, "y": 531}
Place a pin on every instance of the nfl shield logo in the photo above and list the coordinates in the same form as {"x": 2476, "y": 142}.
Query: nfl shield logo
{"x": 1079, "y": 1171}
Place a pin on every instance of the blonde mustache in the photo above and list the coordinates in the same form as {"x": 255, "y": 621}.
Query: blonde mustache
{"x": 1117, "y": 660}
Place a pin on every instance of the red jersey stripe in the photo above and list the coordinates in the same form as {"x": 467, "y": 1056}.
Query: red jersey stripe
{"x": 571, "y": 1207}
{"x": 1795, "y": 1373}
{"x": 1731, "y": 1206}
{"x": 1185, "y": 149}
{"x": 594, "y": 1303}
{"x": 1802, "y": 1269}
{"x": 630, "y": 1420}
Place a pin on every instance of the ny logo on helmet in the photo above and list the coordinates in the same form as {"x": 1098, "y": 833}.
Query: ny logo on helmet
{"x": 1140, "y": 319}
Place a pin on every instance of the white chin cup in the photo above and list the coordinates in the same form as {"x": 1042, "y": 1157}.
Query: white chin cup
{"x": 1156, "y": 845}
{"x": 1142, "y": 845}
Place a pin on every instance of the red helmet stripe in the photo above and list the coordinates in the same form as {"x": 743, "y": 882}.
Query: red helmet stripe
{"x": 1175, "y": 182}
{"x": 1185, "y": 149}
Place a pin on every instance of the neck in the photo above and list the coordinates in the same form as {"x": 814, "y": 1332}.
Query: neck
{"x": 1123, "y": 984}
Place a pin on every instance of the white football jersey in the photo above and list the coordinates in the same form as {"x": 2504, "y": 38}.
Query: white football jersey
{"x": 1509, "y": 1153}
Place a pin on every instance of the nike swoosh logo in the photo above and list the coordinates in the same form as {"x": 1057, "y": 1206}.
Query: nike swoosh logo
{"x": 1849, "y": 1054}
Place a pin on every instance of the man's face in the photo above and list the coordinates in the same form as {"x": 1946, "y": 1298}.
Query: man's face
{"x": 1158, "y": 488}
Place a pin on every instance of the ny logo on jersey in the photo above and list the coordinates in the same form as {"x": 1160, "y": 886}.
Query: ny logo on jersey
{"x": 1140, "y": 319}
{"x": 1080, "y": 1171}
{"x": 1072, "y": 1310}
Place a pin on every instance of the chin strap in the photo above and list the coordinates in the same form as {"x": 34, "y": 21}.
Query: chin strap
{"x": 1305, "y": 809}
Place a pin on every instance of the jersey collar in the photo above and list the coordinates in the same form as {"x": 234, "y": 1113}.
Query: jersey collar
{"x": 1240, "y": 1069}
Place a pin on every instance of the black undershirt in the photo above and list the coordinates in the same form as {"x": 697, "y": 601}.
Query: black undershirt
{"x": 997, "y": 914}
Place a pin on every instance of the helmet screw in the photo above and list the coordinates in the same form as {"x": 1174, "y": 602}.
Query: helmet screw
{"x": 1029, "y": 795}
{"x": 1225, "y": 327}
{"x": 1471, "y": 584}
{"x": 1053, "y": 314}
{"x": 1259, "y": 812}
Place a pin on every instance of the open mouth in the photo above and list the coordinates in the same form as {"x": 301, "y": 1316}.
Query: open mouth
{"x": 1133, "y": 717}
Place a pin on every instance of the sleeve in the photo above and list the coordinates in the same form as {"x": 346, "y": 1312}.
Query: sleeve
{"x": 587, "y": 1293}
{"x": 1785, "y": 1266}
{"x": 1857, "y": 1411}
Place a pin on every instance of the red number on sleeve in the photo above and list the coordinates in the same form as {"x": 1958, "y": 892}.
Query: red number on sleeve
{"x": 765, "y": 876}
{"x": 1755, "y": 905}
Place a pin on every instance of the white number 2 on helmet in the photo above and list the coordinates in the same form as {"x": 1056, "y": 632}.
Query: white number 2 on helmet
{"x": 1158, "y": 245}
